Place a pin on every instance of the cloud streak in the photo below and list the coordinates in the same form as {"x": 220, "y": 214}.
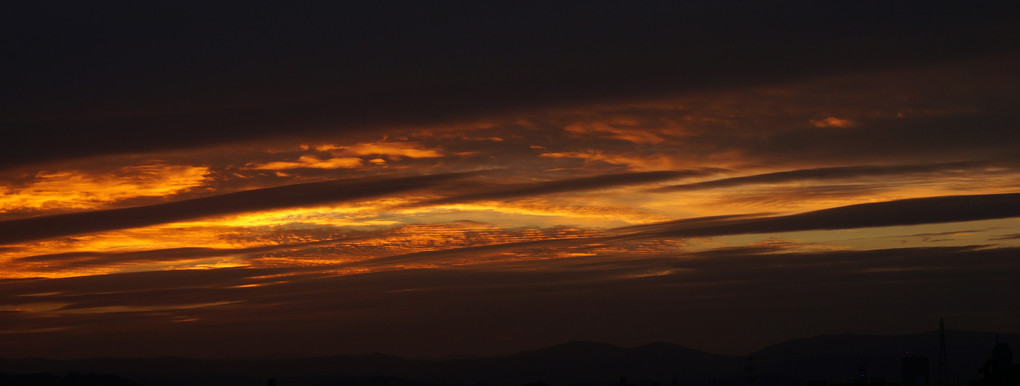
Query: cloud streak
{"x": 899, "y": 212}
{"x": 56, "y": 261}
{"x": 258, "y": 199}
{"x": 919, "y": 211}
{"x": 819, "y": 174}
{"x": 564, "y": 186}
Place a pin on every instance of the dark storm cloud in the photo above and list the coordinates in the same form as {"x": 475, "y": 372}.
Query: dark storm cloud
{"x": 251, "y": 200}
{"x": 819, "y": 174}
{"x": 84, "y": 79}
{"x": 568, "y": 185}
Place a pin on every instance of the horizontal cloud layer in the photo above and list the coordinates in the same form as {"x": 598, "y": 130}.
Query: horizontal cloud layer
{"x": 251, "y": 200}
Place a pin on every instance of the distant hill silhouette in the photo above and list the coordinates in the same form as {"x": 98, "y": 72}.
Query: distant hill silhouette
{"x": 72, "y": 379}
{"x": 829, "y": 358}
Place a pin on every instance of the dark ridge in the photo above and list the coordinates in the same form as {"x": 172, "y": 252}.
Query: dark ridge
{"x": 825, "y": 359}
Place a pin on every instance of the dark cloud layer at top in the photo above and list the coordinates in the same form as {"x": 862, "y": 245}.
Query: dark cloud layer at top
{"x": 85, "y": 79}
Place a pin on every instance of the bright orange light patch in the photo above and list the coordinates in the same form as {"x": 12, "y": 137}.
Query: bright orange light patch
{"x": 832, "y": 122}
{"x": 78, "y": 189}
{"x": 311, "y": 162}
{"x": 383, "y": 148}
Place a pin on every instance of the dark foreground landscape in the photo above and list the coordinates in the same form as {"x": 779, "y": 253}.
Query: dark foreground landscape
{"x": 977, "y": 358}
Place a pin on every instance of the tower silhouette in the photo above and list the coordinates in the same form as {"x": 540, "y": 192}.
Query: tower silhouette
{"x": 943, "y": 363}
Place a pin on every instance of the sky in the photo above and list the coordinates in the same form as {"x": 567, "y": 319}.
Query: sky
{"x": 257, "y": 179}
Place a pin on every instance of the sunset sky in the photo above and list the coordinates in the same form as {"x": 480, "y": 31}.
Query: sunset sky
{"x": 268, "y": 180}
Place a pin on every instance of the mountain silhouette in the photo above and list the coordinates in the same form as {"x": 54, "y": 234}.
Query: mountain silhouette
{"x": 71, "y": 379}
{"x": 827, "y": 358}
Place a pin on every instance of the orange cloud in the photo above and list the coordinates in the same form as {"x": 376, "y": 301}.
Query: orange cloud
{"x": 648, "y": 162}
{"x": 384, "y": 148}
{"x": 311, "y": 162}
{"x": 77, "y": 189}
{"x": 832, "y": 122}
{"x": 52, "y": 309}
{"x": 625, "y": 130}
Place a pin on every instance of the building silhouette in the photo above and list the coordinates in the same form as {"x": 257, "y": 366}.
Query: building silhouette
{"x": 915, "y": 371}
{"x": 999, "y": 369}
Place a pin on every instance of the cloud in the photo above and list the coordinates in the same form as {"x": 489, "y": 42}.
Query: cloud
{"x": 57, "y": 261}
{"x": 259, "y": 199}
{"x": 622, "y": 130}
{"x": 401, "y": 149}
{"x": 383, "y": 148}
{"x": 311, "y": 162}
{"x": 81, "y": 189}
{"x": 481, "y": 254}
{"x": 983, "y": 134}
{"x": 424, "y": 75}
{"x": 1015, "y": 236}
{"x": 820, "y": 174}
{"x": 633, "y": 161}
{"x": 532, "y": 303}
{"x": 568, "y": 185}
{"x": 832, "y": 122}
{"x": 900, "y": 212}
